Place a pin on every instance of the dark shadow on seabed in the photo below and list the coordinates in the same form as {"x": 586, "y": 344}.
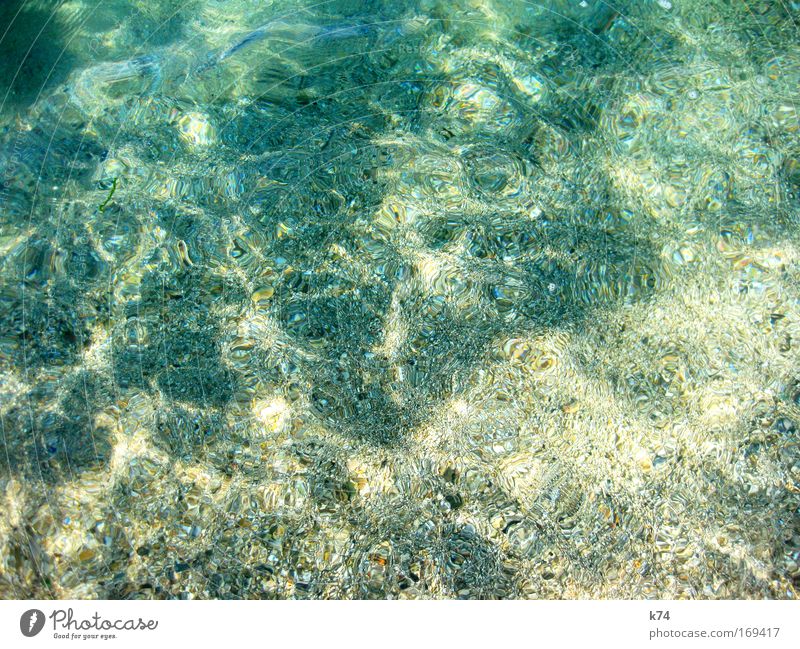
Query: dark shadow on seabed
{"x": 310, "y": 207}
{"x": 32, "y": 56}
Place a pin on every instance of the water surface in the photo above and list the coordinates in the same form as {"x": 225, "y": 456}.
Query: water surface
{"x": 425, "y": 299}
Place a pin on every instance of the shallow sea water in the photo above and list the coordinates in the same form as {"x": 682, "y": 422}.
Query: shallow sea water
{"x": 431, "y": 299}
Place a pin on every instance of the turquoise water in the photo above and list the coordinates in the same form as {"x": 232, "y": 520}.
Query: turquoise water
{"x": 429, "y": 299}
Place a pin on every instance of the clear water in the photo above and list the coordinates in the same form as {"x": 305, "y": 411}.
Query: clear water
{"x": 429, "y": 299}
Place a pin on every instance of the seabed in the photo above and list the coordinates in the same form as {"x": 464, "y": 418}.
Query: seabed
{"x": 424, "y": 299}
